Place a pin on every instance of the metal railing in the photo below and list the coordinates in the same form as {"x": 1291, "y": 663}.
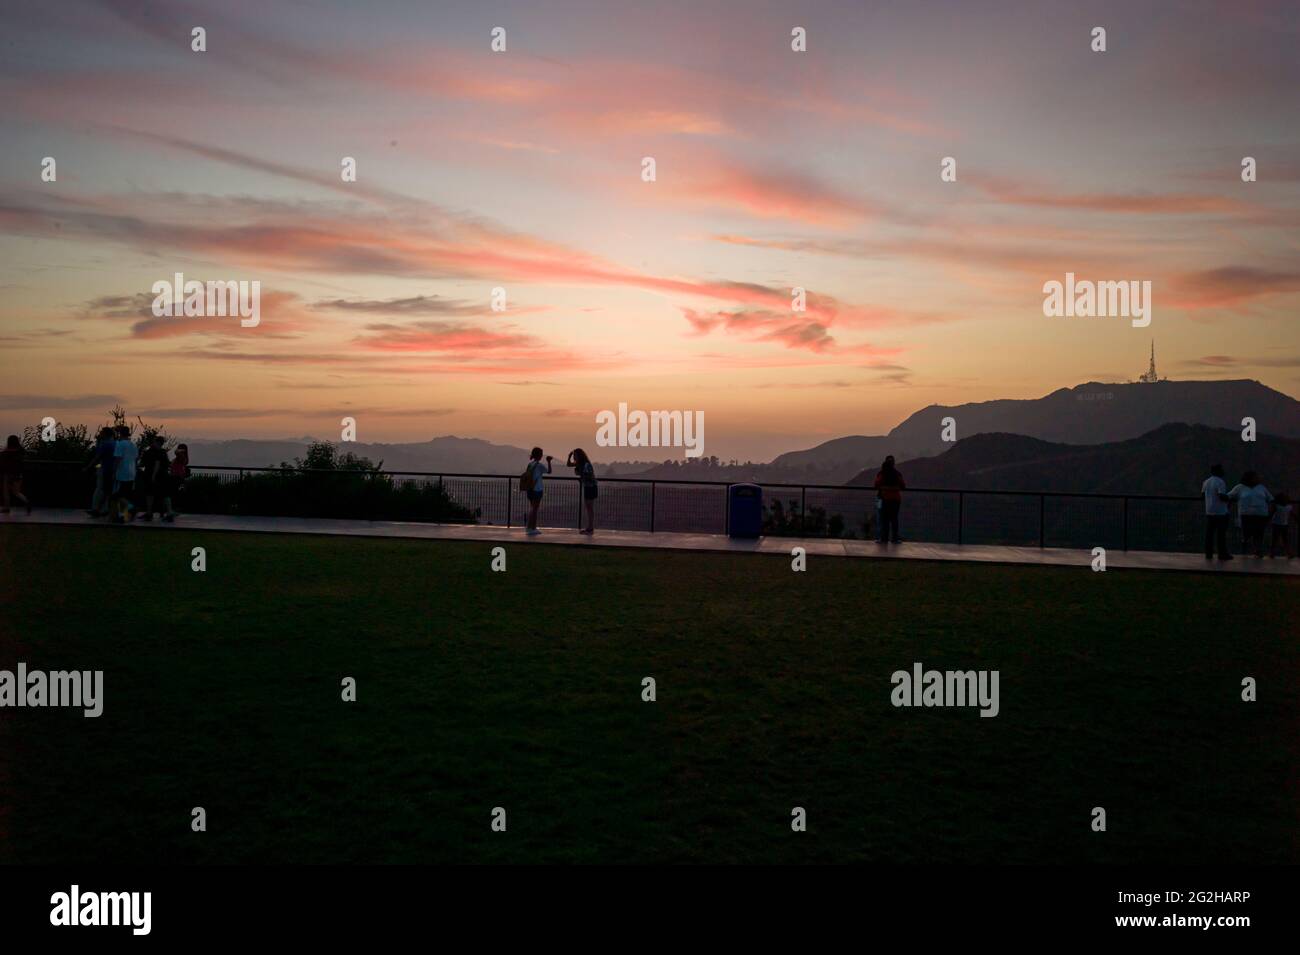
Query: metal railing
{"x": 940, "y": 515}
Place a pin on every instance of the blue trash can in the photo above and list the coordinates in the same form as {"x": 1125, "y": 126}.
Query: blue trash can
{"x": 745, "y": 510}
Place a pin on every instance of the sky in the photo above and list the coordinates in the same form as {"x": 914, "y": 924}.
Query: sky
{"x": 522, "y": 170}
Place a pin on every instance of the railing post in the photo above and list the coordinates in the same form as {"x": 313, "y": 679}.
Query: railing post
{"x": 652, "y": 507}
{"x": 803, "y": 507}
{"x": 579, "y": 525}
{"x": 961, "y": 507}
{"x": 510, "y": 497}
{"x": 1042, "y": 524}
{"x": 1126, "y": 522}
{"x": 239, "y": 495}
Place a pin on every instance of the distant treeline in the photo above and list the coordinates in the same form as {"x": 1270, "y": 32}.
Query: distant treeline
{"x": 324, "y": 483}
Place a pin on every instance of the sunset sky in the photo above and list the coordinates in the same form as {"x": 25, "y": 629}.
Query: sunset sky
{"x": 522, "y": 169}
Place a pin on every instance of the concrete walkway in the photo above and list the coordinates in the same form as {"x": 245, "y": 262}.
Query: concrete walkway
{"x": 1115, "y": 559}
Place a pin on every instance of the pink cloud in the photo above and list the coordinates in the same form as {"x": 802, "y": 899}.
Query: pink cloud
{"x": 1232, "y": 285}
{"x": 790, "y": 330}
{"x": 443, "y": 336}
{"x": 1172, "y": 203}
{"x": 769, "y": 194}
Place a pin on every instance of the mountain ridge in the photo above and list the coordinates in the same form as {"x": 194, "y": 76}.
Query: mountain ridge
{"x": 1091, "y": 413}
{"x": 1088, "y": 413}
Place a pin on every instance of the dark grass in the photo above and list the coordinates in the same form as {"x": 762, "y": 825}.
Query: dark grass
{"x": 523, "y": 690}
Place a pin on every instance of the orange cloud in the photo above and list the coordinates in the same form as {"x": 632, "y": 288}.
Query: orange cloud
{"x": 783, "y": 328}
{"x": 434, "y": 245}
{"x": 1229, "y": 286}
{"x": 442, "y": 336}
{"x": 771, "y": 194}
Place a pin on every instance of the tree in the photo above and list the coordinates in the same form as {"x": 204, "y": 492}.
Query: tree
{"x": 71, "y": 442}
{"x": 324, "y": 456}
{"x": 144, "y": 433}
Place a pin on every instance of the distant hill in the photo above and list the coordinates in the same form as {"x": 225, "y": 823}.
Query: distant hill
{"x": 841, "y": 457}
{"x": 1090, "y": 413}
{"x": 1173, "y": 459}
{"x": 445, "y": 454}
{"x": 1094, "y": 413}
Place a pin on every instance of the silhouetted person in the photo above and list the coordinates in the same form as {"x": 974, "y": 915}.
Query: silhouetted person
{"x": 1252, "y": 500}
{"x": 586, "y": 472}
{"x": 889, "y": 489}
{"x": 1279, "y": 527}
{"x": 11, "y": 475}
{"x": 104, "y": 458}
{"x": 1215, "y": 490}
{"x": 531, "y": 484}
{"x": 152, "y": 471}
{"x": 176, "y": 475}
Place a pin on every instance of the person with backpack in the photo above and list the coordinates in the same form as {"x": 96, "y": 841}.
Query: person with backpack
{"x": 586, "y": 472}
{"x": 530, "y": 482}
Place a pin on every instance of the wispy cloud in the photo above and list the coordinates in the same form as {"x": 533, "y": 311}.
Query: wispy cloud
{"x": 443, "y": 336}
{"x": 281, "y": 316}
{"x": 49, "y": 402}
{"x": 1231, "y": 285}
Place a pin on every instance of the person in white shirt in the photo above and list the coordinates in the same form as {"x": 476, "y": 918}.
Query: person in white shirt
{"x": 124, "y": 485}
{"x": 532, "y": 481}
{"x": 1279, "y": 526}
{"x": 1215, "y": 490}
{"x": 1253, "y": 502}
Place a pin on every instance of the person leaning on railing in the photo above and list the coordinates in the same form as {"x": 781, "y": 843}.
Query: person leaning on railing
{"x": 586, "y": 472}
{"x": 1253, "y": 506}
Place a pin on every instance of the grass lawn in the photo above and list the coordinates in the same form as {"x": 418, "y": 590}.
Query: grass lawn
{"x": 523, "y": 690}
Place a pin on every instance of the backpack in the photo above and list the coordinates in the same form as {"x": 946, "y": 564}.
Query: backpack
{"x": 526, "y": 479}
